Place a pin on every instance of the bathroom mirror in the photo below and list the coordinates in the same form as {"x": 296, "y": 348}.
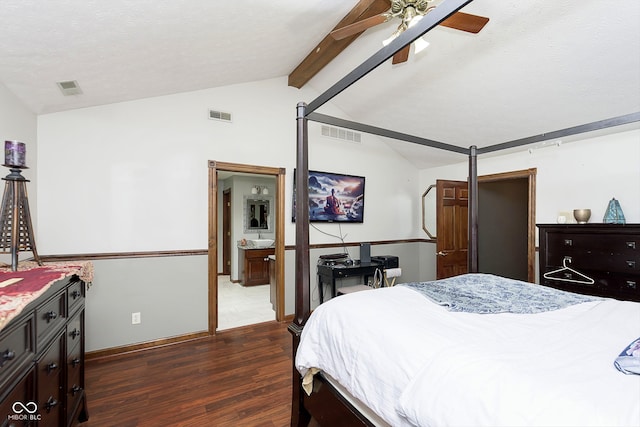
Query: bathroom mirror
{"x": 257, "y": 214}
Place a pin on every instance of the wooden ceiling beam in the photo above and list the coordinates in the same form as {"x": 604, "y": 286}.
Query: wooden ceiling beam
{"x": 329, "y": 48}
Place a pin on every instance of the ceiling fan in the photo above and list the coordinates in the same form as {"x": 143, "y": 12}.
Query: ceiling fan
{"x": 409, "y": 12}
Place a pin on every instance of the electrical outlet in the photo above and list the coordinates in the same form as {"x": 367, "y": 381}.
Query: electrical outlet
{"x": 135, "y": 318}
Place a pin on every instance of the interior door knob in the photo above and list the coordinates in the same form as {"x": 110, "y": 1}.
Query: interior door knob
{"x": 441, "y": 253}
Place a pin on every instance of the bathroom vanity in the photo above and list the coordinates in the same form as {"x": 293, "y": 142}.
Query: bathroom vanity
{"x": 254, "y": 265}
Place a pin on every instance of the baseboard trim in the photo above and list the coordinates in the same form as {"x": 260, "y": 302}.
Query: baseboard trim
{"x": 125, "y": 350}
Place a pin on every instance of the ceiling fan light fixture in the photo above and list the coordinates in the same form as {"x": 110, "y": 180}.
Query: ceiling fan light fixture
{"x": 391, "y": 38}
{"x": 409, "y": 14}
{"x": 420, "y": 44}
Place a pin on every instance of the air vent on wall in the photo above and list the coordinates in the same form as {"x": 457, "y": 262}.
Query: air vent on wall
{"x": 338, "y": 133}
{"x": 219, "y": 115}
{"x": 69, "y": 87}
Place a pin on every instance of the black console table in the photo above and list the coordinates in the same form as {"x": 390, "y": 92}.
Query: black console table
{"x": 329, "y": 274}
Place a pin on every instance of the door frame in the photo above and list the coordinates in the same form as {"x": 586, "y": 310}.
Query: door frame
{"x": 279, "y": 174}
{"x": 226, "y": 234}
{"x": 530, "y": 175}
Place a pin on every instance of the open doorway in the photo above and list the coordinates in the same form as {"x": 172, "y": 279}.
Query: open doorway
{"x": 217, "y": 243}
{"x": 506, "y": 225}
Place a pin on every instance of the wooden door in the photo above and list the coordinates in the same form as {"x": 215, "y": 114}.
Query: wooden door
{"x": 226, "y": 233}
{"x": 452, "y": 201}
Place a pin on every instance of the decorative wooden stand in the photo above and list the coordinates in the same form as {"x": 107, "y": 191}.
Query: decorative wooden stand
{"x": 16, "y": 230}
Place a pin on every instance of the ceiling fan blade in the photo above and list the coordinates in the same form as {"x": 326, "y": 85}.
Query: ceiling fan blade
{"x": 358, "y": 27}
{"x": 402, "y": 55}
{"x": 465, "y": 22}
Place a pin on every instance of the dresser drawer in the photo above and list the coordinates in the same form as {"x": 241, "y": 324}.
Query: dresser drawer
{"x": 620, "y": 286}
{"x": 50, "y": 317}
{"x": 75, "y": 330}
{"x": 615, "y": 244}
{"x": 579, "y": 260}
{"x": 12, "y": 411}
{"x": 612, "y": 252}
{"x": 75, "y": 380}
{"x": 17, "y": 348}
{"x": 75, "y": 294}
{"x": 49, "y": 380}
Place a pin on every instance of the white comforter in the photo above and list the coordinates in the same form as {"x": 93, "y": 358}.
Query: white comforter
{"x": 415, "y": 363}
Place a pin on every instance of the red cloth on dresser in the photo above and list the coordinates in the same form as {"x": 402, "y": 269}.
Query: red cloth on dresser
{"x": 35, "y": 280}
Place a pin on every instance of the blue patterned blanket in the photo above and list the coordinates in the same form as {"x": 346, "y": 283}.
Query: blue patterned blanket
{"x": 489, "y": 294}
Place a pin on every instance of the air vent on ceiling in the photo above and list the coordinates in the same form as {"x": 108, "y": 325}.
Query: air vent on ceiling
{"x": 219, "y": 115}
{"x": 69, "y": 87}
{"x": 338, "y": 133}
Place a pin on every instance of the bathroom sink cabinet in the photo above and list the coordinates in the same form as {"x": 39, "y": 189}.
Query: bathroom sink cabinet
{"x": 254, "y": 266}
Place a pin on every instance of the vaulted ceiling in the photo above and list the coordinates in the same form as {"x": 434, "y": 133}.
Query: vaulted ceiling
{"x": 535, "y": 67}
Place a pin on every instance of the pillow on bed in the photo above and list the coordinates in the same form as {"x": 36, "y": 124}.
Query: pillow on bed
{"x": 629, "y": 360}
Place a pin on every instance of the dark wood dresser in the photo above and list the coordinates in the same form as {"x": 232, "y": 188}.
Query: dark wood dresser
{"x": 607, "y": 253}
{"x": 42, "y": 360}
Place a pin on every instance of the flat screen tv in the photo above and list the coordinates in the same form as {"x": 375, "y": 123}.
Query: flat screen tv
{"x": 333, "y": 197}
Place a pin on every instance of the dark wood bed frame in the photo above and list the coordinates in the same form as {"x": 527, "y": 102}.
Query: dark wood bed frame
{"x": 326, "y": 406}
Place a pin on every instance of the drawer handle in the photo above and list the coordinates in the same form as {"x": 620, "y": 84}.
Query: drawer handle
{"x": 75, "y": 294}
{"x": 75, "y": 389}
{"x": 568, "y": 242}
{"x": 51, "y": 403}
{"x": 7, "y": 356}
{"x": 75, "y": 334}
{"x": 50, "y": 316}
{"x": 631, "y": 284}
{"x": 631, "y": 264}
{"x": 631, "y": 245}
{"x": 51, "y": 367}
{"x": 75, "y": 362}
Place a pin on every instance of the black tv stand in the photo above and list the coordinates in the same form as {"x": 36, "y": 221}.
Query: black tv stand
{"x": 329, "y": 274}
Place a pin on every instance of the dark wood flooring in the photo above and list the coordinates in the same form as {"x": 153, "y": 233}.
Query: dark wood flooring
{"x": 240, "y": 377}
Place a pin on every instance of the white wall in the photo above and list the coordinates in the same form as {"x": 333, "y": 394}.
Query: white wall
{"x": 585, "y": 173}
{"x": 18, "y": 123}
{"x": 136, "y": 172}
{"x": 133, "y": 177}
{"x": 158, "y": 288}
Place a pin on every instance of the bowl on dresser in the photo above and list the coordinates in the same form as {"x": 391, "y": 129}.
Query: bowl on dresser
{"x": 582, "y": 215}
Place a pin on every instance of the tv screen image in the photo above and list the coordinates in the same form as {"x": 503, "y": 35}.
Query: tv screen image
{"x": 334, "y": 197}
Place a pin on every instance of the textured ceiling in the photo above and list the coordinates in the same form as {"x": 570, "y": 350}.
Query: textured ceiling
{"x": 122, "y": 49}
{"x": 536, "y": 67}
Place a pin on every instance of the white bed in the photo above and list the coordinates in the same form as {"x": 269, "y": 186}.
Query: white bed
{"x": 413, "y": 362}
